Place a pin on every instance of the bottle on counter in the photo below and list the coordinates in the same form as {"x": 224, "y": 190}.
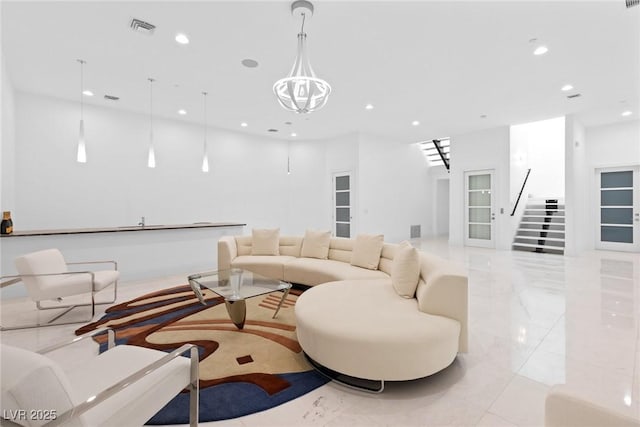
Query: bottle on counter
{"x": 6, "y": 227}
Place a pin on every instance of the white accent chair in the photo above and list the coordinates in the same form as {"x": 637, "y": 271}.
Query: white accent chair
{"x": 124, "y": 386}
{"x": 46, "y": 276}
{"x": 565, "y": 409}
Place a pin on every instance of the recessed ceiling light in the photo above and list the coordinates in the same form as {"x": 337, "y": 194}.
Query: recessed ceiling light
{"x": 627, "y": 113}
{"x": 566, "y": 88}
{"x": 182, "y": 38}
{"x": 415, "y": 123}
{"x": 249, "y": 63}
{"x": 540, "y": 50}
{"x": 87, "y": 93}
{"x": 182, "y": 112}
{"x": 244, "y": 124}
{"x": 368, "y": 107}
{"x": 294, "y": 134}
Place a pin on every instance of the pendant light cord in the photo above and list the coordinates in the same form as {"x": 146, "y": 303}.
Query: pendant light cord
{"x": 205, "y": 121}
{"x": 151, "y": 102}
{"x": 82, "y": 62}
{"x": 304, "y": 15}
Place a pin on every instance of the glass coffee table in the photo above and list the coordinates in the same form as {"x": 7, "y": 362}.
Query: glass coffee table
{"x": 236, "y": 286}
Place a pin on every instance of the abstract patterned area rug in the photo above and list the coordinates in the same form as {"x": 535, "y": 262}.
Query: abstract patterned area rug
{"x": 241, "y": 371}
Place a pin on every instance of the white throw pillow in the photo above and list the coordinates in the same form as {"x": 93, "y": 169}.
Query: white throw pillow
{"x": 316, "y": 244}
{"x": 405, "y": 270}
{"x": 366, "y": 251}
{"x": 265, "y": 241}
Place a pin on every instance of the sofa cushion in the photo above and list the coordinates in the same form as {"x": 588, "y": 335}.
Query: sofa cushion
{"x": 313, "y": 271}
{"x": 316, "y": 244}
{"x": 269, "y": 266}
{"x": 405, "y": 271}
{"x": 265, "y": 241}
{"x": 366, "y": 251}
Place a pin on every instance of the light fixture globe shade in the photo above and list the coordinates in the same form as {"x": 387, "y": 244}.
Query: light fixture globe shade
{"x": 205, "y": 163}
{"x": 151, "y": 158}
{"x": 301, "y": 91}
{"x": 81, "y": 155}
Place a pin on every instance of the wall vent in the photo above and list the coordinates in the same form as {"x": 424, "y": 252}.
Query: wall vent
{"x": 141, "y": 26}
{"x": 111, "y": 97}
{"x": 575, "y": 95}
{"x": 415, "y": 232}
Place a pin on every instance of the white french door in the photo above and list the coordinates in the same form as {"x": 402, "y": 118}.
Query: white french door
{"x": 479, "y": 209}
{"x": 342, "y": 204}
{"x": 618, "y": 201}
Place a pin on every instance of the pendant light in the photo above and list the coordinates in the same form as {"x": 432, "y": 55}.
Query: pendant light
{"x": 81, "y": 155}
{"x": 151, "y": 157}
{"x": 205, "y": 156}
{"x": 301, "y": 91}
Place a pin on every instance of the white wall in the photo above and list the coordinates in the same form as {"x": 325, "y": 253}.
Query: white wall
{"x": 576, "y": 199}
{"x": 539, "y": 146}
{"x": 393, "y": 188}
{"x": 248, "y": 181}
{"x": 7, "y": 144}
{"x": 481, "y": 150}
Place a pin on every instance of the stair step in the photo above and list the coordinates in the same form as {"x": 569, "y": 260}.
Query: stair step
{"x": 556, "y": 224}
{"x": 542, "y": 210}
{"x": 542, "y": 216}
{"x": 544, "y": 248}
{"x": 551, "y": 239}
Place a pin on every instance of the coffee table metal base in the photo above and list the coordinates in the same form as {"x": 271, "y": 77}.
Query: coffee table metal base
{"x": 237, "y": 310}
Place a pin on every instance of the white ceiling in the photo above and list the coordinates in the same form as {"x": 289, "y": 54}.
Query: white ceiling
{"x": 442, "y": 63}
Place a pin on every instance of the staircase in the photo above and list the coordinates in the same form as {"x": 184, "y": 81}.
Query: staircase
{"x": 541, "y": 228}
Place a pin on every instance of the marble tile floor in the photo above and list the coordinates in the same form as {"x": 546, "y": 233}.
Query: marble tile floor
{"x": 535, "y": 320}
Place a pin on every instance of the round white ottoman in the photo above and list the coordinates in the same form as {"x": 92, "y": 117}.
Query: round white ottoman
{"x": 364, "y": 329}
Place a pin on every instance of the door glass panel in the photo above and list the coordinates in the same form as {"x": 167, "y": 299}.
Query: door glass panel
{"x": 479, "y": 198}
{"x": 616, "y": 179}
{"x": 342, "y": 214}
{"x": 343, "y": 230}
{"x": 480, "y": 215}
{"x": 616, "y": 216}
{"x": 480, "y": 182}
{"x": 616, "y": 198}
{"x": 342, "y": 183}
{"x": 480, "y": 231}
{"x": 342, "y": 199}
{"x": 616, "y": 234}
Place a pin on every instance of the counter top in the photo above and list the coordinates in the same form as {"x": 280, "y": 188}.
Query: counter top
{"x": 151, "y": 227}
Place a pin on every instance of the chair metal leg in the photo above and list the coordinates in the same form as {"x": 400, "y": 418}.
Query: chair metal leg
{"x": 68, "y": 309}
{"x": 194, "y": 388}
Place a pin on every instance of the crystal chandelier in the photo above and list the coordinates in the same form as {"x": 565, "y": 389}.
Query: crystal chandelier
{"x": 301, "y": 91}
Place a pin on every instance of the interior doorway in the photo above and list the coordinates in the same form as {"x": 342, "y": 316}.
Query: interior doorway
{"x": 442, "y": 207}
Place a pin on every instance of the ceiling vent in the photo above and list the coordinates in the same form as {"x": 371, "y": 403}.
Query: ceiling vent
{"x": 575, "y": 95}
{"x": 631, "y": 3}
{"x": 141, "y": 26}
{"x": 272, "y": 130}
{"x": 111, "y": 97}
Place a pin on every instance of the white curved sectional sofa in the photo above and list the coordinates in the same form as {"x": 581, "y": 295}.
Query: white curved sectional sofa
{"x": 356, "y": 323}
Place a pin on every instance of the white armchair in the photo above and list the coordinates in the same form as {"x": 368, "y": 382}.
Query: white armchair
{"x": 563, "y": 408}
{"x": 125, "y": 385}
{"x": 46, "y": 276}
